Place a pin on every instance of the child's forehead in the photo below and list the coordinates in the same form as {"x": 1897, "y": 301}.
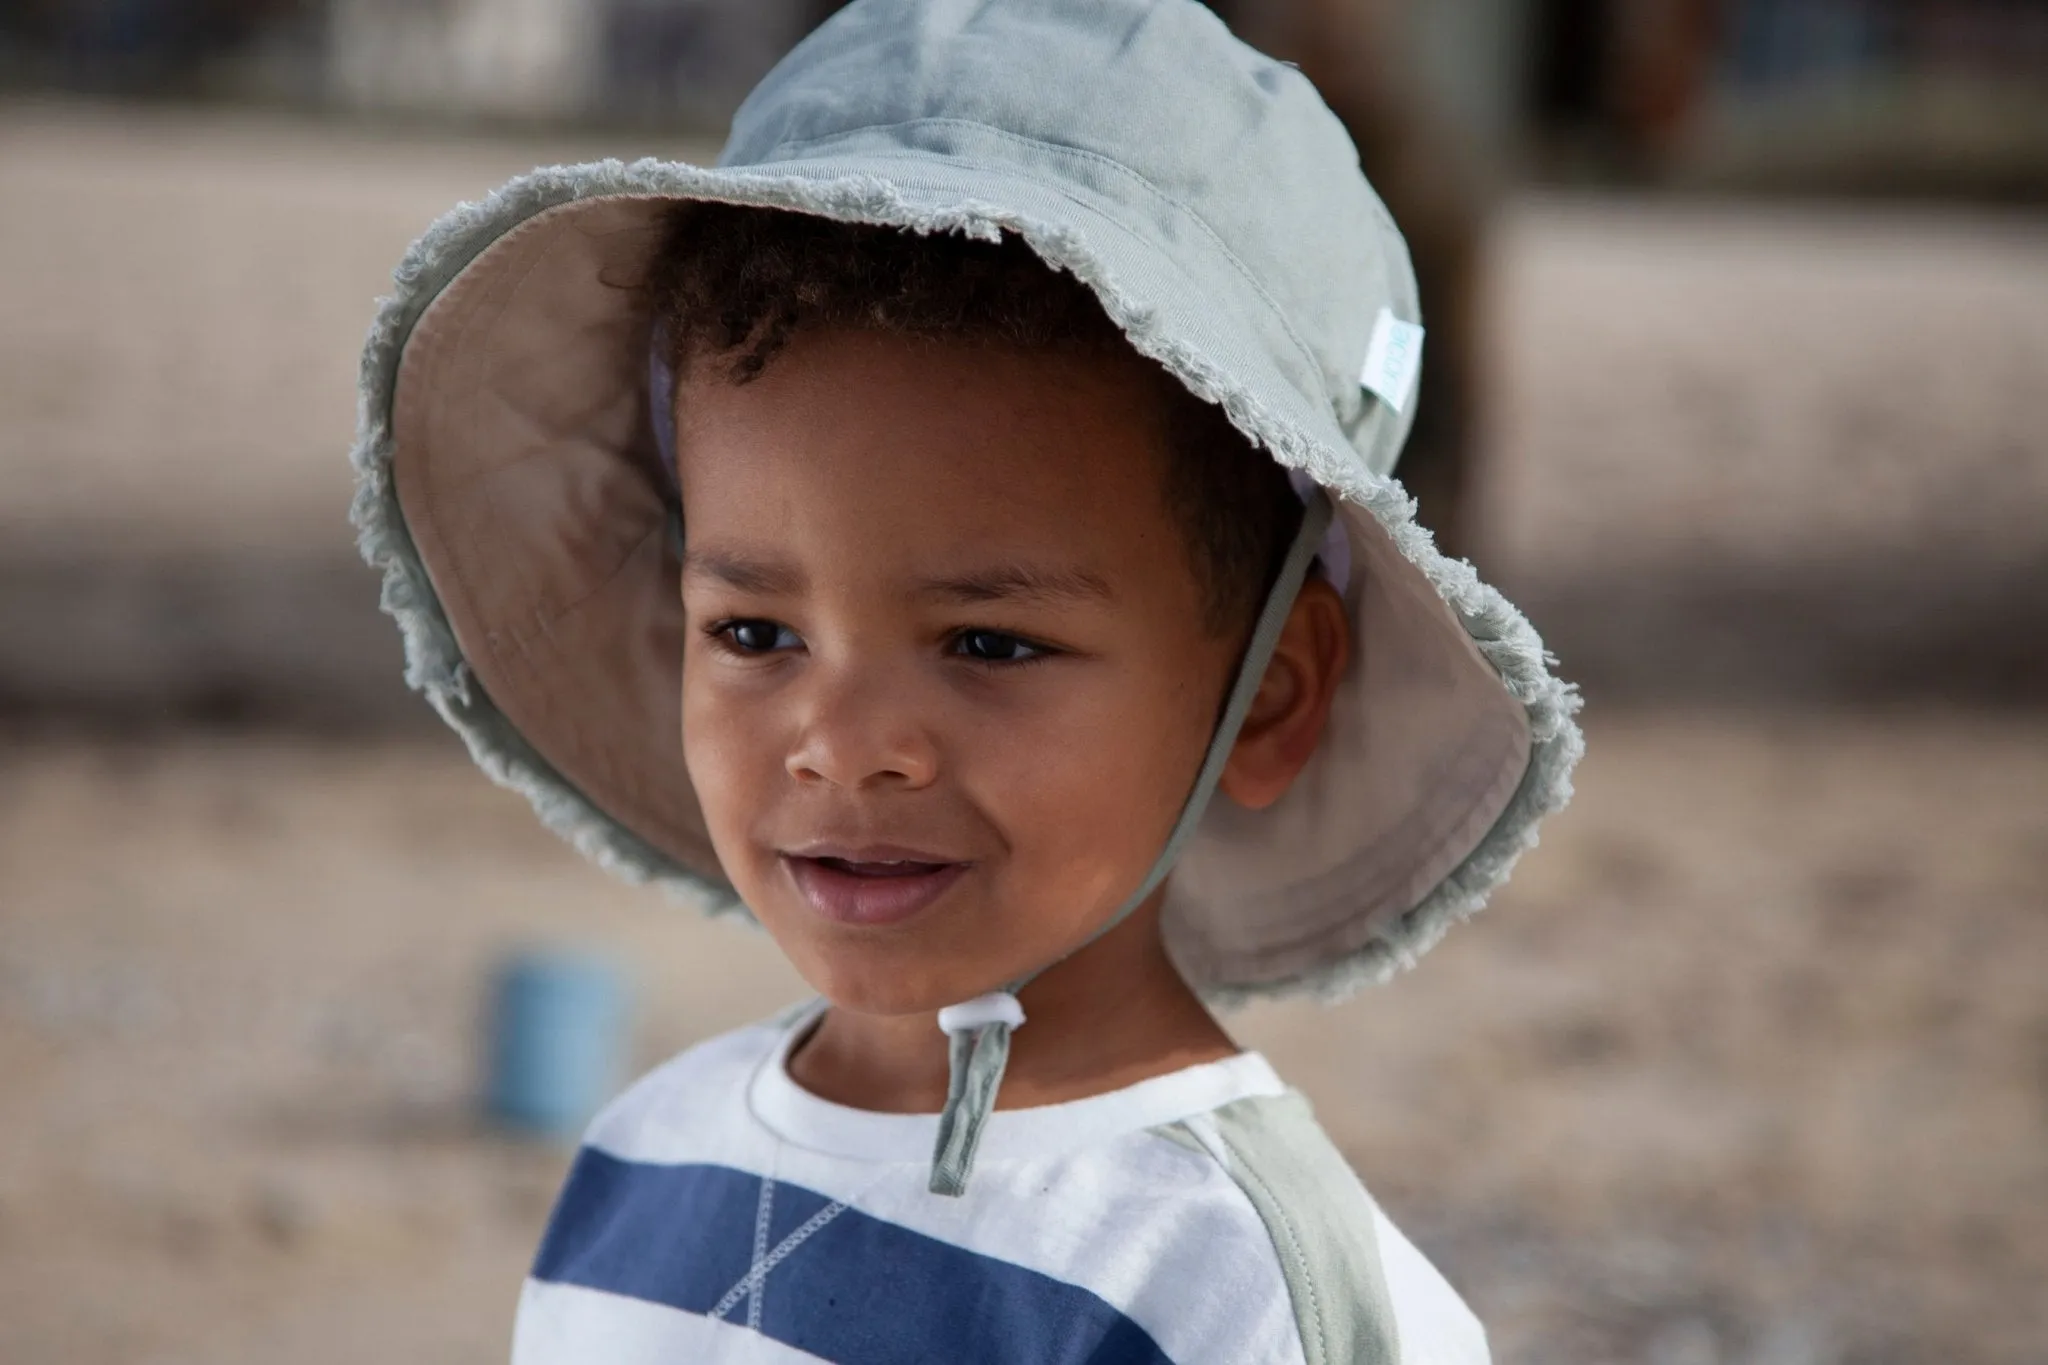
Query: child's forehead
{"x": 869, "y": 413}
{"x": 940, "y": 466}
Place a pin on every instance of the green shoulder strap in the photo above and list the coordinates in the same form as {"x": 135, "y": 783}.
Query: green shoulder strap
{"x": 1324, "y": 1226}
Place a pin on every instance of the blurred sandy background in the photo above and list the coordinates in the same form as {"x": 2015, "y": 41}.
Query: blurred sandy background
{"x": 1749, "y": 1065}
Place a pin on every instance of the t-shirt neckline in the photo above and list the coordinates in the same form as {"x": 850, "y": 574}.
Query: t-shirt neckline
{"x": 797, "y": 1116}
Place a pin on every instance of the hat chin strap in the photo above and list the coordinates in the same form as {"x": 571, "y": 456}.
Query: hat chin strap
{"x": 978, "y": 1030}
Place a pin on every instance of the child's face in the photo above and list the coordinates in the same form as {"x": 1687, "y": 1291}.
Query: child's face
{"x": 947, "y": 680}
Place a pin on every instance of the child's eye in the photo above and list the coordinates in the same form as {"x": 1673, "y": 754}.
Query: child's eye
{"x": 751, "y": 636}
{"x": 995, "y": 647}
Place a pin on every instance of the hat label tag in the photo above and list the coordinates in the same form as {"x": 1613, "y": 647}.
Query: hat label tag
{"x": 1392, "y": 359}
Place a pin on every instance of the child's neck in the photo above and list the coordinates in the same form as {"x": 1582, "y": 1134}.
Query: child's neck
{"x": 1113, "y": 1014}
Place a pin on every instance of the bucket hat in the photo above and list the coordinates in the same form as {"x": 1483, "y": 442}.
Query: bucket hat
{"x": 512, "y": 487}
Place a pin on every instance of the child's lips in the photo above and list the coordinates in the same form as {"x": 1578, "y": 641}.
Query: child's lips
{"x": 874, "y": 888}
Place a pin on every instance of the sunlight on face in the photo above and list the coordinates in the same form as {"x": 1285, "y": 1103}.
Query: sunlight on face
{"x": 946, "y": 681}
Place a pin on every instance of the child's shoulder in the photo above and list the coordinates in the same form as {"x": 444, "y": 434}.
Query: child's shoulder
{"x": 695, "y": 1090}
{"x": 1360, "y": 1289}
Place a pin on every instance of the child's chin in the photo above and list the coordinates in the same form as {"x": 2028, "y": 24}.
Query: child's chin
{"x": 887, "y": 990}
{"x": 905, "y": 970}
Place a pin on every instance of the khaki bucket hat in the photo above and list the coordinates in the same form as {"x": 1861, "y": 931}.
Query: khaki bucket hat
{"x": 513, "y": 493}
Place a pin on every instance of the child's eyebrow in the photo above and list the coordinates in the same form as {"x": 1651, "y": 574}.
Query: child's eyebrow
{"x": 1006, "y": 581}
{"x": 765, "y": 576}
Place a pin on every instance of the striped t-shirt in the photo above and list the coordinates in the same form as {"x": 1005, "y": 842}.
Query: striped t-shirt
{"x": 717, "y": 1212}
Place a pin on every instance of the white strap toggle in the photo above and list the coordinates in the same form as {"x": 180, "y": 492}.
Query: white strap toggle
{"x": 997, "y": 1007}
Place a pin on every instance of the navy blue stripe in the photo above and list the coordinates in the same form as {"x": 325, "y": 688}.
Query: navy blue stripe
{"x": 859, "y": 1291}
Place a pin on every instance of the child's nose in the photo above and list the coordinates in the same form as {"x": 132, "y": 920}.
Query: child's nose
{"x": 862, "y": 733}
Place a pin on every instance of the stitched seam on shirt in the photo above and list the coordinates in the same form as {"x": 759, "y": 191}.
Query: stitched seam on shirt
{"x": 763, "y": 1210}
{"x": 1322, "y": 1352}
{"x": 800, "y": 1236}
{"x": 751, "y": 1282}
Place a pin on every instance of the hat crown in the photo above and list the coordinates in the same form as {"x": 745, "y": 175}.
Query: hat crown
{"x": 1149, "y": 107}
{"x": 511, "y": 492}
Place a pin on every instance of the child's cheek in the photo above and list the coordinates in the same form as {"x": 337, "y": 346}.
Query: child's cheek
{"x": 1086, "y": 805}
{"x": 731, "y": 762}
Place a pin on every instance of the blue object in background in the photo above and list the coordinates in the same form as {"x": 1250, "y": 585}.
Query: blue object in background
{"x": 558, "y": 1025}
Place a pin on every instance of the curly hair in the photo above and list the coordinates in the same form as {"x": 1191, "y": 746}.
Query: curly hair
{"x": 734, "y": 284}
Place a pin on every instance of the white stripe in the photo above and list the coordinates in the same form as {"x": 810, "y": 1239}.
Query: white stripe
{"x": 804, "y": 1120}
{"x": 566, "y": 1324}
{"x": 1435, "y": 1325}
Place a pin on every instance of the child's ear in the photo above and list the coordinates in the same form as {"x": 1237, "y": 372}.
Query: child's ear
{"x": 1287, "y": 716}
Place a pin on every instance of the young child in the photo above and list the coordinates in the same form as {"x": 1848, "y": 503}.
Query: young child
{"x": 898, "y": 533}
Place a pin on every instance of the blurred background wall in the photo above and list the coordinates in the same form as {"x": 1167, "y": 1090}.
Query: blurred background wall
{"x": 1738, "y": 320}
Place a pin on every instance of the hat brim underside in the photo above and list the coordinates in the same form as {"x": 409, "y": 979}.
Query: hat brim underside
{"x": 511, "y": 493}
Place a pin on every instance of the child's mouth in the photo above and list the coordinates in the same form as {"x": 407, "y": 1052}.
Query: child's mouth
{"x": 870, "y": 889}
